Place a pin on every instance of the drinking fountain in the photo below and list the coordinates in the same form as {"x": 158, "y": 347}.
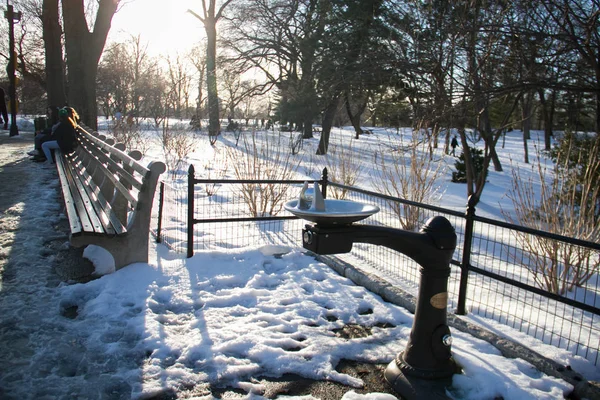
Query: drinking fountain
{"x": 425, "y": 367}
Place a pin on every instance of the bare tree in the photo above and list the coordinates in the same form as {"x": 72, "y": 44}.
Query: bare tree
{"x": 179, "y": 82}
{"x": 209, "y": 18}
{"x": 197, "y": 57}
{"x": 578, "y": 24}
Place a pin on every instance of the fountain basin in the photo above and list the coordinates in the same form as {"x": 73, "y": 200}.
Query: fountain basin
{"x": 337, "y": 212}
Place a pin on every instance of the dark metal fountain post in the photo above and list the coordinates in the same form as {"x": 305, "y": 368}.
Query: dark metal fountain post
{"x": 12, "y": 17}
{"x": 423, "y": 370}
{"x": 418, "y": 371}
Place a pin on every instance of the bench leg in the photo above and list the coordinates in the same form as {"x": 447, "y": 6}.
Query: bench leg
{"x": 125, "y": 250}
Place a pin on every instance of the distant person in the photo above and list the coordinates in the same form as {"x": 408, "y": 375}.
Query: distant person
{"x": 118, "y": 117}
{"x": 453, "y": 144}
{"x": 3, "y": 109}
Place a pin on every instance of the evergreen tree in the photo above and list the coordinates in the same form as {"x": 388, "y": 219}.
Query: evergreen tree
{"x": 460, "y": 175}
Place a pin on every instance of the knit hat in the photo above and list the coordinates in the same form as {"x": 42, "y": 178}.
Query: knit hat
{"x": 63, "y": 112}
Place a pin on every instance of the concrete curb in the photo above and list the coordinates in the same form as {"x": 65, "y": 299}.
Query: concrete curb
{"x": 583, "y": 389}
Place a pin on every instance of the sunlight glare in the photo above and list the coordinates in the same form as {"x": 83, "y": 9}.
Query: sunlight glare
{"x": 166, "y": 27}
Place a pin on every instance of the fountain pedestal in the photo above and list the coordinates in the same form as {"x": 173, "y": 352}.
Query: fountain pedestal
{"x": 425, "y": 368}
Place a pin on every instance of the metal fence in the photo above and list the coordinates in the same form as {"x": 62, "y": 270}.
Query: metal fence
{"x": 498, "y": 267}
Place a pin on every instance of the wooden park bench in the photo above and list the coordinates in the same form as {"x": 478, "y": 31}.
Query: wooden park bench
{"x": 108, "y": 197}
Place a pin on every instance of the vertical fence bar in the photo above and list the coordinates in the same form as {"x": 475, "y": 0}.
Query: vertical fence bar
{"x": 190, "y": 216}
{"x": 161, "y": 203}
{"x": 466, "y": 258}
{"x": 324, "y": 182}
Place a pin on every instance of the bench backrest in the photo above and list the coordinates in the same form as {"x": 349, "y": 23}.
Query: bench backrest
{"x": 121, "y": 180}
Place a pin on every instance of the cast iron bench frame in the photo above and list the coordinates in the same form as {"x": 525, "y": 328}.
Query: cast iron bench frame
{"x": 108, "y": 196}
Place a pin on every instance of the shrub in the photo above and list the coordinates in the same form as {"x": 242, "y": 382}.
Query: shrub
{"x": 177, "y": 144}
{"x": 267, "y": 159}
{"x": 344, "y": 169}
{"x": 408, "y": 172}
{"x": 460, "y": 175}
{"x": 577, "y": 159}
{"x": 566, "y": 204}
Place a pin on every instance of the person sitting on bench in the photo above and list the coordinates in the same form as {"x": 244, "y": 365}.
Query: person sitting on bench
{"x": 63, "y": 137}
{"x": 45, "y": 134}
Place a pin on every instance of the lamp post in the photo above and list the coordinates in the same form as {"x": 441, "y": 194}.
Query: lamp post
{"x": 12, "y": 17}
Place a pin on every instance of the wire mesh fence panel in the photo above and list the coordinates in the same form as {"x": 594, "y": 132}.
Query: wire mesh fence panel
{"x": 226, "y": 219}
{"x": 536, "y": 264}
{"x": 548, "y": 320}
{"x": 173, "y": 221}
{"x": 391, "y": 264}
{"x": 234, "y": 235}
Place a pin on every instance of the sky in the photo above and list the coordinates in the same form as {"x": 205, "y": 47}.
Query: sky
{"x": 165, "y": 25}
{"x": 224, "y": 316}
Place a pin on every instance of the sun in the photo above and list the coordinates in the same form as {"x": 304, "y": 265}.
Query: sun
{"x": 166, "y": 27}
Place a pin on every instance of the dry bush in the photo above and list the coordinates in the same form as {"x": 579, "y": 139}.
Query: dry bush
{"x": 265, "y": 159}
{"x": 409, "y": 173}
{"x": 310, "y": 168}
{"x": 216, "y": 168}
{"x": 343, "y": 167}
{"x": 130, "y": 136}
{"x": 562, "y": 206}
{"x": 177, "y": 144}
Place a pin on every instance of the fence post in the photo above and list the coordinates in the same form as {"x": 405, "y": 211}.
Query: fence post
{"x": 190, "y": 216}
{"x": 324, "y": 183}
{"x": 161, "y": 202}
{"x": 466, "y": 257}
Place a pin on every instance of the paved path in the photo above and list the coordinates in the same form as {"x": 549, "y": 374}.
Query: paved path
{"x": 34, "y": 259}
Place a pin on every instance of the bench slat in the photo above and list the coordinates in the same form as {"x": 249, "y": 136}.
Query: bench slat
{"x": 102, "y": 158}
{"x": 87, "y": 207}
{"x": 124, "y": 158}
{"x": 74, "y": 220}
{"x": 102, "y": 208}
{"x": 81, "y": 203}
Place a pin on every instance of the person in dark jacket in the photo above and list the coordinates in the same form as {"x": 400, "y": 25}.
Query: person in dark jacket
{"x": 453, "y": 144}
{"x": 45, "y": 134}
{"x": 63, "y": 137}
{"x": 3, "y": 109}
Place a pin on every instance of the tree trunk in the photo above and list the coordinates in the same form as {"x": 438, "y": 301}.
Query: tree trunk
{"x": 214, "y": 124}
{"x": 547, "y": 114}
{"x": 488, "y": 137}
{"x": 307, "y": 127}
{"x": 447, "y": 141}
{"x": 598, "y": 95}
{"x": 354, "y": 118}
{"x": 328, "y": 117}
{"x": 55, "y": 77}
{"x": 526, "y": 104}
{"x": 84, "y": 49}
{"x": 469, "y": 168}
{"x": 525, "y": 148}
